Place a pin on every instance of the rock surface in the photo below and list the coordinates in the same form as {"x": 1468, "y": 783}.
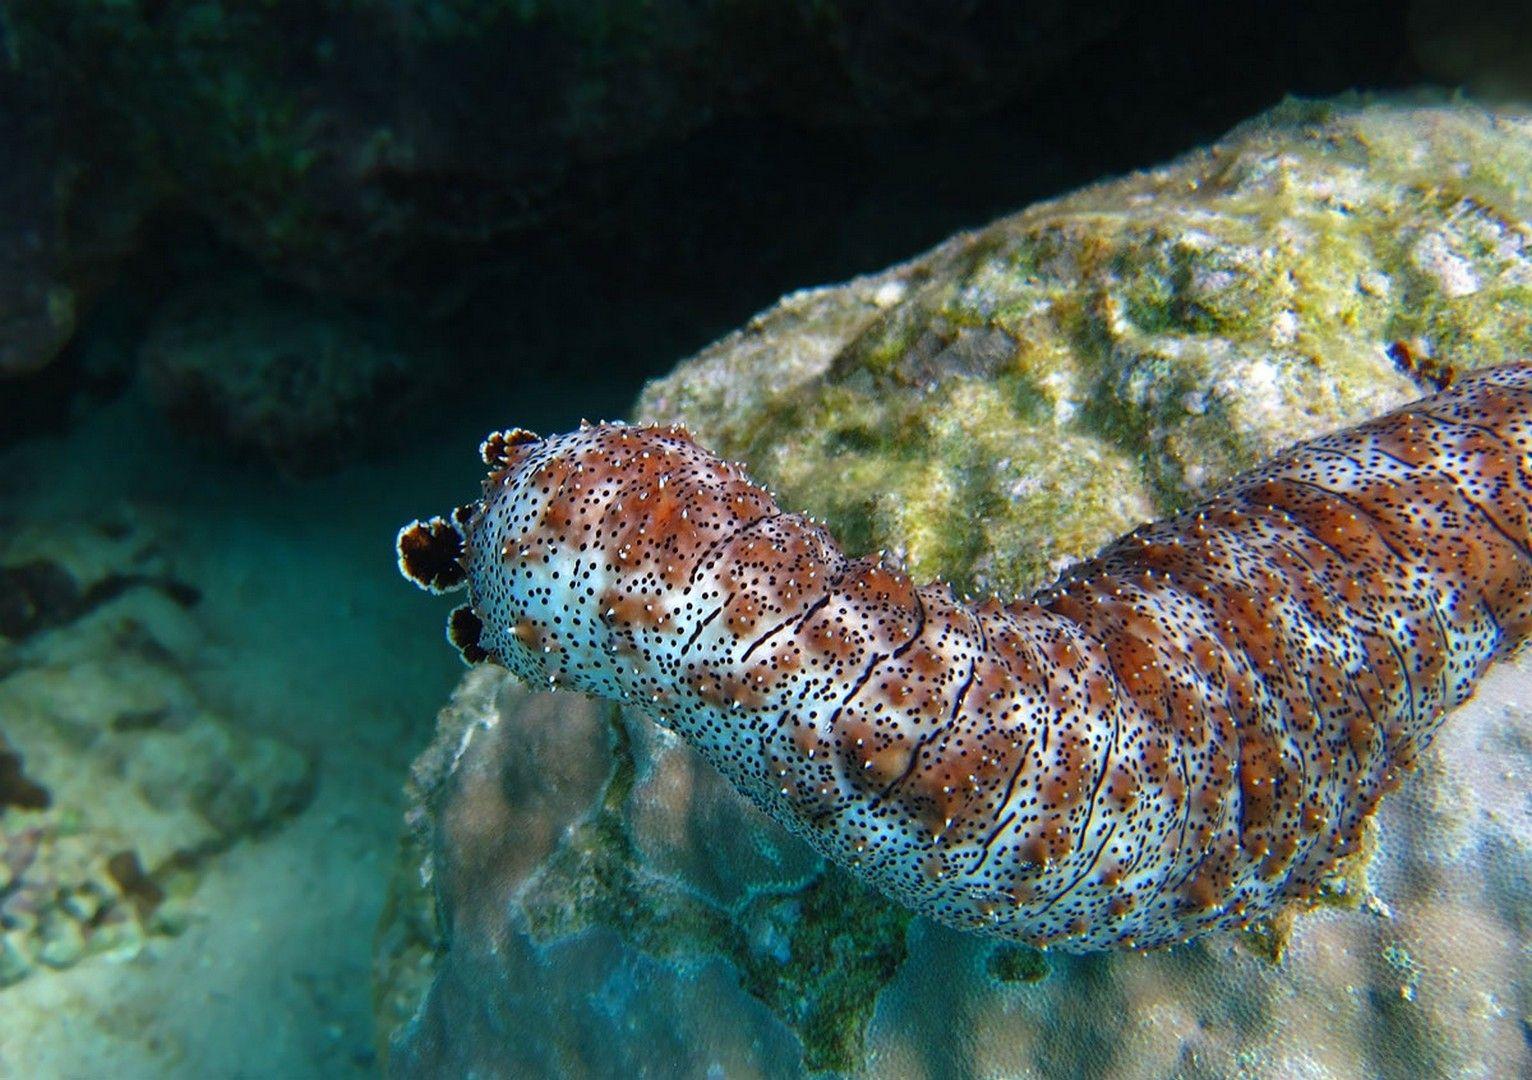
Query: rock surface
{"x": 261, "y": 370}
{"x": 117, "y": 784}
{"x": 66, "y": 219}
{"x": 1030, "y": 390}
{"x": 566, "y": 949}
{"x": 579, "y": 892}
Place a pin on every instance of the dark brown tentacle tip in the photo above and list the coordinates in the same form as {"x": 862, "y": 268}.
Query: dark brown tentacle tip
{"x": 464, "y": 629}
{"x": 430, "y": 554}
{"x": 1427, "y": 372}
{"x": 499, "y": 448}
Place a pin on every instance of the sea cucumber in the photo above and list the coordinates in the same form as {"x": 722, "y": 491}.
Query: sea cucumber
{"x": 1185, "y": 733}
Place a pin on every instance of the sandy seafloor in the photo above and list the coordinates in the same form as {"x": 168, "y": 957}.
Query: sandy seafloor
{"x": 315, "y": 639}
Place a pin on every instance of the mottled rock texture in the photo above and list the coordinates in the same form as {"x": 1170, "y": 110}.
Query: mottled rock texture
{"x": 1006, "y": 402}
{"x": 1029, "y": 390}
{"x": 543, "y": 940}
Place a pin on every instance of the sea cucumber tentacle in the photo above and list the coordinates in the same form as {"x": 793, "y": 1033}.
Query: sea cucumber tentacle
{"x": 1187, "y": 732}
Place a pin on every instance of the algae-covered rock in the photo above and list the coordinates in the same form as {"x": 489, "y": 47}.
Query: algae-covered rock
{"x": 1031, "y": 389}
{"x": 1006, "y": 402}
{"x": 117, "y": 783}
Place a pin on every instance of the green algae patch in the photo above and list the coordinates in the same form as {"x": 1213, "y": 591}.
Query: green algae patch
{"x": 594, "y": 878}
{"x": 844, "y": 944}
{"x": 816, "y": 956}
{"x": 1011, "y": 963}
{"x": 951, "y": 477}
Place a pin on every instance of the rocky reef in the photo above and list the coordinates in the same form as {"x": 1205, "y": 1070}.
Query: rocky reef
{"x": 559, "y": 930}
{"x": 1029, "y": 390}
{"x": 118, "y": 785}
{"x": 68, "y": 217}
{"x": 267, "y": 372}
{"x": 577, "y": 891}
{"x": 338, "y": 145}
{"x": 323, "y": 143}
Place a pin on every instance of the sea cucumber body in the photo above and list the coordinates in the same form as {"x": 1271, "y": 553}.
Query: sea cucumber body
{"x": 1185, "y": 733}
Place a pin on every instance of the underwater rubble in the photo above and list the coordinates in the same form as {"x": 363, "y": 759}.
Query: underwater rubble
{"x": 118, "y": 785}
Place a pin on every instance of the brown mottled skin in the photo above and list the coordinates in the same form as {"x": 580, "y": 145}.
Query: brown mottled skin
{"x": 1186, "y": 733}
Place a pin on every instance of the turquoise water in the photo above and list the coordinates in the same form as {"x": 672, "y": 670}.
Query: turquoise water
{"x": 308, "y": 636}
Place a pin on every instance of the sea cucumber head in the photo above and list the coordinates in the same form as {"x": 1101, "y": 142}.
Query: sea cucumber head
{"x": 586, "y": 550}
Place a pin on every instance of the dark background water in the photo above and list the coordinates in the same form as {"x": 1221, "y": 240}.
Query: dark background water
{"x": 531, "y": 247}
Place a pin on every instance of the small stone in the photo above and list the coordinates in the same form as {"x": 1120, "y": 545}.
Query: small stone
{"x": 63, "y": 942}
{"x": 83, "y": 904}
{"x": 15, "y": 962}
{"x": 118, "y": 939}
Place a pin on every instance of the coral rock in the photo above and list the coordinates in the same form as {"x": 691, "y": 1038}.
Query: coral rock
{"x": 262, "y": 371}
{"x": 1009, "y": 401}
